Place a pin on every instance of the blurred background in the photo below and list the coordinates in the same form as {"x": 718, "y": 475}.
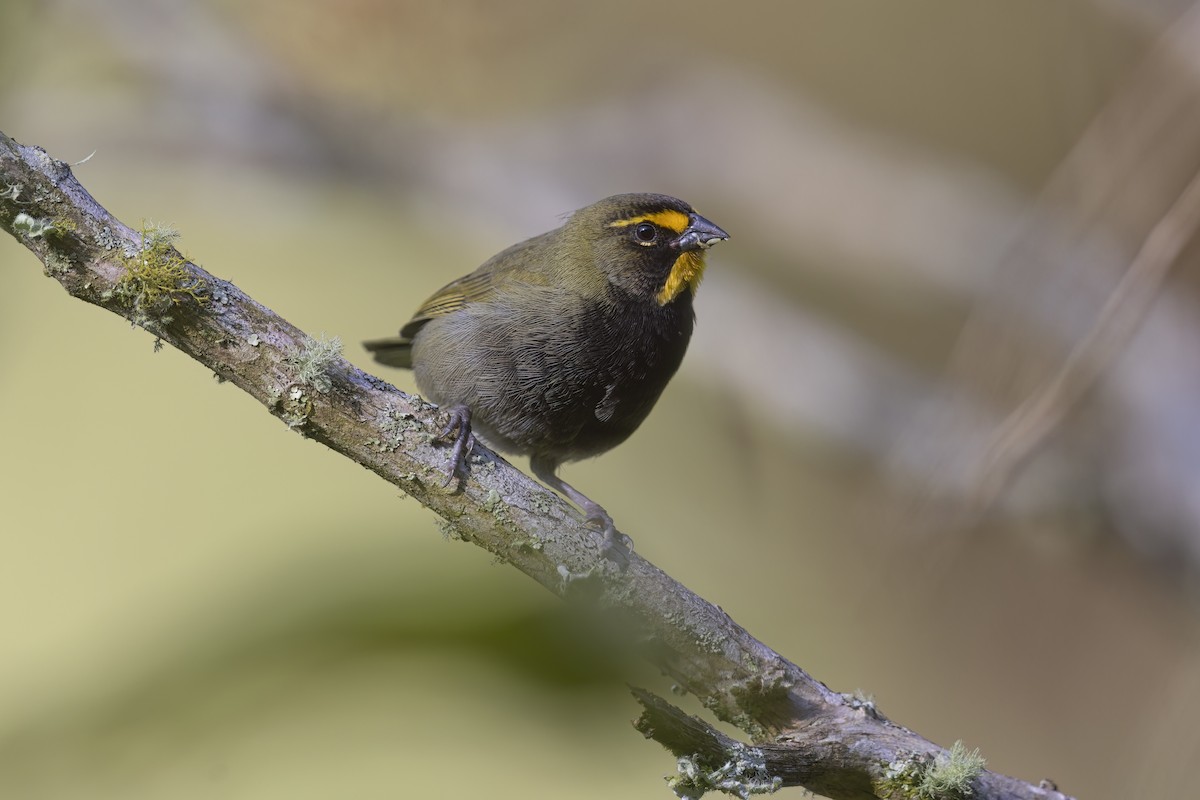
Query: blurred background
{"x": 936, "y": 438}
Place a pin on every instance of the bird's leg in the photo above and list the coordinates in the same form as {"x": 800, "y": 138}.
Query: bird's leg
{"x": 615, "y": 542}
{"x": 460, "y": 421}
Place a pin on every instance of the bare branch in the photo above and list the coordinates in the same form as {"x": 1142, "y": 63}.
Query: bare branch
{"x": 814, "y": 737}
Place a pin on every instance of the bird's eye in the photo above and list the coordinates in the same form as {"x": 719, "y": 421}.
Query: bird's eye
{"x": 645, "y": 233}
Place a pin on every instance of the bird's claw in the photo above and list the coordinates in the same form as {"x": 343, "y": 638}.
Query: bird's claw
{"x": 615, "y": 546}
{"x": 457, "y": 430}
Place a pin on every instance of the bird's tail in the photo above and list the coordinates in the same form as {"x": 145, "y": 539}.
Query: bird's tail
{"x": 394, "y": 352}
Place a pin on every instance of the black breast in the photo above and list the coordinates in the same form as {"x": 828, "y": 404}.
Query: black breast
{"x": 600, "y": 388}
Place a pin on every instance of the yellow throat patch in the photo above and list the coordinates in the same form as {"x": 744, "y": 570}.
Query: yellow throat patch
{"x": 686, "y": 273}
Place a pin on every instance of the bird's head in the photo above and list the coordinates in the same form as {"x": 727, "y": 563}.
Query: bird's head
{"x": 648, "y": 245}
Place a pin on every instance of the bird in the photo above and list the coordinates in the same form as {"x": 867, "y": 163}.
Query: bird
{"x": 558, "y": 347}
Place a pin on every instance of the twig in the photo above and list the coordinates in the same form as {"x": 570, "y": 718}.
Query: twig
{"x": 1019, "y": 436}
{"x": 819, "y": 739}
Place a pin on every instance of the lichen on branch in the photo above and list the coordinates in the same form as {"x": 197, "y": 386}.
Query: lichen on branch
{"x": 156, "y": 279}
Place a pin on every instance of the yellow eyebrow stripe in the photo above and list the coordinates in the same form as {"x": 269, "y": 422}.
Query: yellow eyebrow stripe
{"x": 674, "y": 221}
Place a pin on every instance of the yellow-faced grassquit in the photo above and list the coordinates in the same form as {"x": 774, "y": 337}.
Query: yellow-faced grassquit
{"x": 558, "y": 347}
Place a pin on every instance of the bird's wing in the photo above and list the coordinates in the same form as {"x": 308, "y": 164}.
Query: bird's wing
{"x": 453, "y": 296}
{"x": 397, "y": 351}
{"x": 506, "y": 266}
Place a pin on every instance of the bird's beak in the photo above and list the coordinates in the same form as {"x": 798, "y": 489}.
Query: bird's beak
{"x": 700, "y": 234}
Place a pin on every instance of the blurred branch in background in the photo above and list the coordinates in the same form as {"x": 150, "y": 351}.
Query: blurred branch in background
{"x": 1074, "y": 303}
{"x": 1034, "y": 420}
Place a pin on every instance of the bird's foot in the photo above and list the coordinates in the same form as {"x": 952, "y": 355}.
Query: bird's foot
{"x": 457, "y": 433}
{"x": 615, "y": 546}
